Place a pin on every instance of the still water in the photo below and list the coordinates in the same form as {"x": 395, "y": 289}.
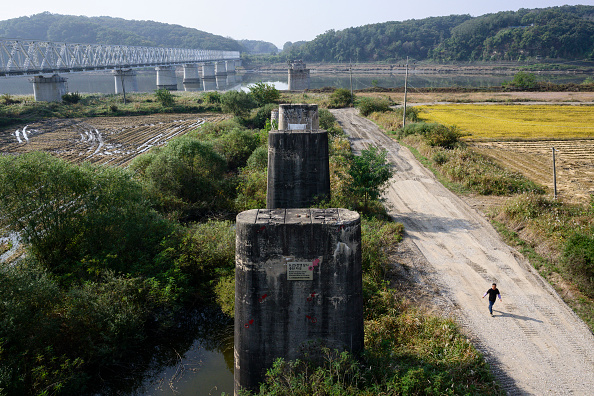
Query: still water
{"x": 103, "y": 81}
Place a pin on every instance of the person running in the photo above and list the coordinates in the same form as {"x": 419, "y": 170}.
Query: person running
{"x": 493, "y": 293}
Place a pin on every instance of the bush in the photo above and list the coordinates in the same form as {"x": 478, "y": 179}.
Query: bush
{"x": 522, "y": 80}
{"x": 212, "y": 97}
{"x": 164, "y": 97}
{"x": 341, "y": 98}
{"x": 79, "y": 220}
{"x": 262, "y": 116}
{"x": 71, "y": 98}
{"x": 186, "y": 176}
{"x": 578, "y": 258}
{"x": 367, "y": 106}
{"x": 264, "y": 93}
{"x": 238, "y": 103}
{"x": 237, "y": 146}
{"x": 433, "y": 134}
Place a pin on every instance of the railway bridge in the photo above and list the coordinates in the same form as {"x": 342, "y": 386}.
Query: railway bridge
{"x": 35, "y": 58}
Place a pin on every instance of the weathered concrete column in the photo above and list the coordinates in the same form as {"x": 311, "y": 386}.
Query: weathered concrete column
{"x": 220, "y": 68}
{"x": 221, "y": 82}
{"x": 125, "y": 80}
{"x": 230, "y": 66}
{"x": 298, "y": 117}
{"x": 48, "y": 89}
{"x": 298, "y": 162}
{"x": 191, "y": 73}
{"x": 166, "y": 78}
{"x": 208, "y": 70}
{"x": 298, "y": 76}
{"x": 298, "y": 286}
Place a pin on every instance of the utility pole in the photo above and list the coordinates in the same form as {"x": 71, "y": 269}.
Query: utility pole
{"x": 554, "y": 175}
{"x": 405, "y": 88}
{"x": 122, "y": 81}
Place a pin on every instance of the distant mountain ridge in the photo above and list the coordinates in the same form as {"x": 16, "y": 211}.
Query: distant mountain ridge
{"x": 116, "y": 31}
{"x": 556, "y": 32}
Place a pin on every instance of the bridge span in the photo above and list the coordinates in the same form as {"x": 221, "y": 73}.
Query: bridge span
{"x": 34, "y": 57}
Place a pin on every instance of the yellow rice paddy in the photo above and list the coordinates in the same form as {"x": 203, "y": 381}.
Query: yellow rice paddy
{"x": 503, "y": 122}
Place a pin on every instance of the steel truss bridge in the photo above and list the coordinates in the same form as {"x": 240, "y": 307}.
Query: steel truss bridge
{"x": 22, "y": 57}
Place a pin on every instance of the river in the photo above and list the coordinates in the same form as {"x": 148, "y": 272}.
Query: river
{"x": 103, "y": 81}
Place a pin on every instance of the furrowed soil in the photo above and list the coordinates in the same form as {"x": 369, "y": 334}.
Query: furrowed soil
{"x": 103, "y": 140}
{"x": 535, "y": 343}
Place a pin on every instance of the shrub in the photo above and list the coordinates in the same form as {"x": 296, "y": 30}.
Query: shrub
{"x": 185, "y": 176}
{"x": 238, "y": 103}
{"x": 212, "y": 97}
{"x": 521, "y": 80}
{"x": 578, "y": 257}
{"x": 370, "y": 173}
{"x": 79, "y": 220}
{"x": 440, "y": 157}
{"x": 341, "y": 97}
{"x": 7, "y": 99}
{"x": 264, "y": 93}
{"x": 71, "y": 98}
{"x": 236, "y": 146}
{"x": 262, "y": 116}
{"x": 367, "y": 106}
{"x": 164, "y": 97}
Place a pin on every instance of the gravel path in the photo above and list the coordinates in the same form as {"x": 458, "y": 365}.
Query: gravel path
{"x": 535, "y": 344}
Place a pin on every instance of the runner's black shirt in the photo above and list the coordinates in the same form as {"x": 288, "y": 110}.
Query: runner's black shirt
{"x": 493, "y": 294}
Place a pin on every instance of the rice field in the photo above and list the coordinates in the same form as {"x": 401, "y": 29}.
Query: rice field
{"x": 514, "y": 122}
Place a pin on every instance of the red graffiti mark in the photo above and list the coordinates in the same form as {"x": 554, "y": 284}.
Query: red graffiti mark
{"x": 247, "y": 325}
{"x": 341, "y": 227}
{"x": 311, "y": 297}
{"x": 312, "y": 319}
{"x": 310, "y": 268}
{"x": 315, "y": 262}
{"x": 262, "y": 298}
{"x": 262, "y": 228}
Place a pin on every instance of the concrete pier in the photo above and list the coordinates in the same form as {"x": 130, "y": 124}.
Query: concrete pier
{"x": 298, "y": 286}
{"x": 220, "y": 68}
{"x": 191, "y": 73}
{"x": 298, "y": 76}
{"x": 298, "y": 162}
{"x": 166, "y": 78}
{"x": 125, "y": 80}
{"x": 208, "y": 70}
{"x": 230, "y": 67}
{"x": 49, "y": 89}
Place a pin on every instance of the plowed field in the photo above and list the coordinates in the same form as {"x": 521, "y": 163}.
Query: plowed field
{"x": 105, "y": 140}
{"x": 574, "y": 161}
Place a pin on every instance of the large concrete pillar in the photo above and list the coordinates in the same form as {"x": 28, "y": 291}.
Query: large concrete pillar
{"x": 208, "y": 70}
{"x": 298, "y": 117}
{"x": 125, "y": 80}
{"x": 48, "y": 89}
{"x": 221, "y": 82}
{"x": 191, "y": 73}
{"x": 298, "y": 76}
{"x": 230, "y": 66}
{"x": 220, "y": 68}
{"x": 298, "y": 162}
{"x": 298, "y": 286}
{"x": 166, "y": 78}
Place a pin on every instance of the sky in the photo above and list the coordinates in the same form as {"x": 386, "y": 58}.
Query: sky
{"x": 275, "y": 21}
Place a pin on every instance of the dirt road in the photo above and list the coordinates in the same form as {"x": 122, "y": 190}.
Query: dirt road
{"x": 535, "y": 343}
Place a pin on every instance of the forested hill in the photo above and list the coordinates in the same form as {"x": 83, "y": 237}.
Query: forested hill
{"x": 557, "y": 32}
{"x": 107, "y": 30}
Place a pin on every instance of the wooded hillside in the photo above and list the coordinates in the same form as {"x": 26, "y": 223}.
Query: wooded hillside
{"x": 107, "y": 30}
{"x": 557, "y": 32}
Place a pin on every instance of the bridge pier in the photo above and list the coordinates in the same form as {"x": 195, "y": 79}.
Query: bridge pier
{"x": 298, "y": 162}
{"x": 298, "y": 76}
{"x": 230, "y": 66}
{"x": 298, "y": 287}
{"x": 220, "y": 68}
{"x": 208, "y": 76}
{"x": 48, "y": 89}
{"x": 125, "y": 80}
{"x": 191, "y": 73}
{"x": 166, "y": 78}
